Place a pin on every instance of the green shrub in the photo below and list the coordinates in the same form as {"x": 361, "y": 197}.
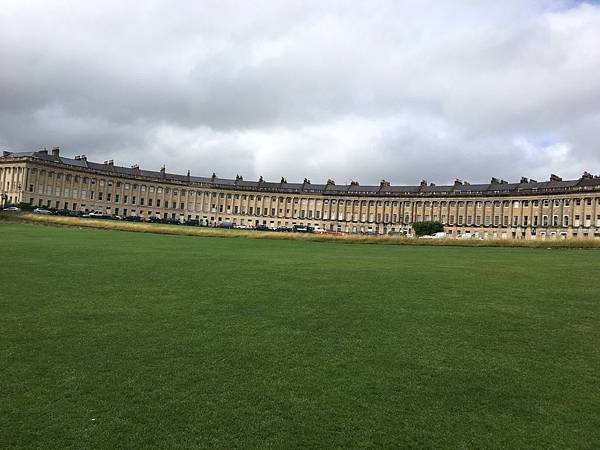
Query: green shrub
{"x": 24, "y": 206}
{"x": 427, "y": 228}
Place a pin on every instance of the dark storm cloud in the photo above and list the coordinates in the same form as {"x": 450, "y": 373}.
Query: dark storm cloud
{"x": 383, "y": 89}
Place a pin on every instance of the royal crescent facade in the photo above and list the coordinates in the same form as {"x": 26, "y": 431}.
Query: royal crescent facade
{"x": 526, "y": 210}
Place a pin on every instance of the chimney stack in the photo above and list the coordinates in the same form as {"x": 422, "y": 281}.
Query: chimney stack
{"x": 162, "y": 172}
{"x": 5, "y": 153}
{"x": 110, "y": 162}
{"x": 56, "y": 152}
{"x": 555, "y": 178}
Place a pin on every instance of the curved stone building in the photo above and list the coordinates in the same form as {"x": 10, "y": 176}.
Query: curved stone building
{"x": 498, "y": 209}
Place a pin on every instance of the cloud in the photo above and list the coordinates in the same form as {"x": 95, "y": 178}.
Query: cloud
{"x": 394, "y": 90}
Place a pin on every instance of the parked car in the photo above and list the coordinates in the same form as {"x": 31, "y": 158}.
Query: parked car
{"x": 42, "y": 211}
{"x": 11, "y": 208}
{"x": 133, "y": 218}
{"x": 225, "y": 225}
{"x": 302, "y": 229}
{"x": 193, "y": 222}
{"x": 262, "y": 228}
{"x": 99, "y": 215}
{"x": 283, "y": 229}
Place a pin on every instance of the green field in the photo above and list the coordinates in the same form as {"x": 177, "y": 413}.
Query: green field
{"x": 112, "y": 339}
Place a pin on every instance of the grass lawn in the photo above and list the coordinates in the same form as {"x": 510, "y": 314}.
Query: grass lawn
{"x": 111, "y": 339}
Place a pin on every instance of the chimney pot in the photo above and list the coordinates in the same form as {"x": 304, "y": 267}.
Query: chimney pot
{"x": 56, "y": 151}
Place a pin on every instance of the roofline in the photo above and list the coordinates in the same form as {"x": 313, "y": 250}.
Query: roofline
{"x": 495, "y": 187}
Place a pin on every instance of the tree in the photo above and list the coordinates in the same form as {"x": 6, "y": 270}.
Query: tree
{"x": 427, "y": 228}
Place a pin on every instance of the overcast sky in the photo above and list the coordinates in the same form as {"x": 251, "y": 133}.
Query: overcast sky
{"x": 398, "y": 90}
